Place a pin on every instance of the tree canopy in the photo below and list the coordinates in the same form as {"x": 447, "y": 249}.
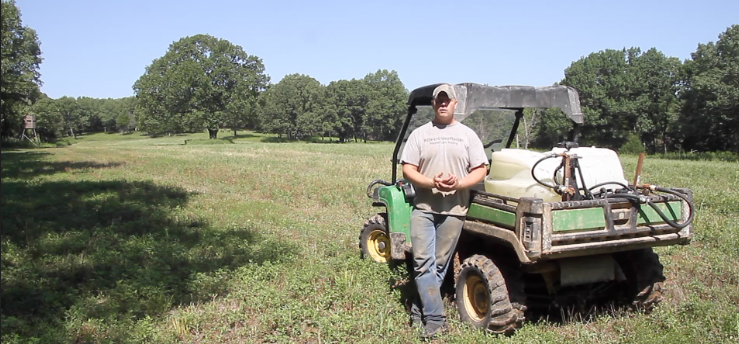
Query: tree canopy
{"x": 667, "y": 104}
{"x": 710, "y": 113}
{"x": 385, "y": 104}
{"x": 345, "y": 108}
{"x": 196, "y": 86}
{"x": 369, "y": 109}
{"x": 293, "y": 106}
{"x": 626, "y": 92}
{"x": 20, "y": 57}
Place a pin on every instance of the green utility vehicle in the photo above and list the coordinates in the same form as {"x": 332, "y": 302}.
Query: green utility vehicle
{"x": 544, "y": 229}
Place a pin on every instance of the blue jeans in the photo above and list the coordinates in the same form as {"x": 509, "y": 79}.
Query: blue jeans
{"x": 433, "y": 238}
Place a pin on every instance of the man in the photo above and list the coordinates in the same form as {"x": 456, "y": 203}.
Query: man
{"x": 442, "y": 159}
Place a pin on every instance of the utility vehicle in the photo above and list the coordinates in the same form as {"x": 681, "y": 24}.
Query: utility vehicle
{"x": 544, "y": 229}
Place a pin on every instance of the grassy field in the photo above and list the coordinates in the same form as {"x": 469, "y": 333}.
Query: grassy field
{"x": 128, "y": 239}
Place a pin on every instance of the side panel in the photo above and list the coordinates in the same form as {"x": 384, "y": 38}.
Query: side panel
{"x": 398, "y": 210}
{"x": 578, "y": 219}
{"x": 649, "y": 216}
{"x": 488, "y": 214}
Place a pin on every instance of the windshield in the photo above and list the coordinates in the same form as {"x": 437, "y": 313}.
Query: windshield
{"x": 489, "y": 125}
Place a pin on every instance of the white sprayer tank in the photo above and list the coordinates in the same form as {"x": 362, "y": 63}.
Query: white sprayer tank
{"x": 510, "y": 171}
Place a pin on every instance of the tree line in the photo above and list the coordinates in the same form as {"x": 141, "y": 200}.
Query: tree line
{"x": 203, "y": 82}
{"x": 666, "y": 104}
{"x": 206, "y": 83}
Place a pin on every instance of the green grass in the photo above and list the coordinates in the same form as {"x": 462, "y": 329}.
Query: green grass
{"x": 129, "y": 239}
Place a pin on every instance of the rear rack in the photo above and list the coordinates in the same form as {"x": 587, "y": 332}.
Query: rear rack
{"x": 551, "y": 230}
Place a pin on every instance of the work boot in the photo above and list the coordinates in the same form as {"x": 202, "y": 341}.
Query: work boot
{"x": 432, "y": 330}
{"x": 416, "y": 321}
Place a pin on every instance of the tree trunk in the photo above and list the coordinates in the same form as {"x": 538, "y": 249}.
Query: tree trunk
{"x": 529, "y": 127}
{"x": 525, "y": 133}
{"x": 664, "y": 141}
{"x": 213, "y": 134}
{"x": 234, "y": 133}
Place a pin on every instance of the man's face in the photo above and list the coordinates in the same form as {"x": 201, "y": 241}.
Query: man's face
{"x": 444, "y": 108}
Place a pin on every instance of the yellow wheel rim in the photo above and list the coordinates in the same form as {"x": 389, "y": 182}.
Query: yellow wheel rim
{"x": 378, "y": 246}
{"x": 476, "y": 298}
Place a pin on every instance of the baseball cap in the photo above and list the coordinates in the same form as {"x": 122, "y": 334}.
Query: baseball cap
{"x": 446, "y": 88}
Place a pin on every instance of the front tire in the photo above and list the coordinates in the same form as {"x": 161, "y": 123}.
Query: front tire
{"x": 482, "y": 297}
{"x": 374, "y": 239}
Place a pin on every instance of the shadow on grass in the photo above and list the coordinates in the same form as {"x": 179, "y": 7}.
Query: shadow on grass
{"x": 124, "y": 133}
{"x": 26, "y": 164}
{"x": 239, "y": 136}
{"x": 205, "y": 142}
{"x": 17, "y": 144}
{"x": 115, "y": 251}
{"x": 273, "y": 139}
{"x": 406, "y": 285}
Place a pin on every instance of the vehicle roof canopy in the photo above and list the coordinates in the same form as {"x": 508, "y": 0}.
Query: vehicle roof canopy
{"x": 472, "y": 97}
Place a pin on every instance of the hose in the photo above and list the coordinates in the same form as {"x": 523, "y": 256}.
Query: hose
{"x": 640, "y": 199}
{"x": 626, "y": 188}
{"x": 556, "y": 187}
{"x": 687, "y": 222}
{"x": 533, "y": 175}
{"x": 373, "y": 183}
{"x": 588, "y": 194}
{"x": 606, "y": 183}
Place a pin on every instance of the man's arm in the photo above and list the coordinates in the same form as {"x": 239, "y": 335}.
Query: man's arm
{"x": 411, "y": 173}
{"x": 476, "y": 175}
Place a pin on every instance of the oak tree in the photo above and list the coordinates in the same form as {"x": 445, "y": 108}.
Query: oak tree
{"x": 198, "y": 84}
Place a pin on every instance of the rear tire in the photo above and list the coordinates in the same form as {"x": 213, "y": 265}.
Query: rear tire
{"x": 516, "y": 292}
{"x": 374, "y": 239}
{"x": 644, "y": 277}
{"x": 482, "y": 297}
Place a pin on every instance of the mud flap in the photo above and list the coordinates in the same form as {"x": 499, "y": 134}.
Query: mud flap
{"x": 397, "y": 243}
{"x": 583, "y": 270}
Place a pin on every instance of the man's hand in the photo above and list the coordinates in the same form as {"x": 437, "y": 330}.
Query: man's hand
{"x": 452, "y": 182}
{"x": 448, "y": 183}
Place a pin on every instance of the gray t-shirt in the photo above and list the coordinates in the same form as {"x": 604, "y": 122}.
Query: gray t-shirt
{"x": 435, "y": 148}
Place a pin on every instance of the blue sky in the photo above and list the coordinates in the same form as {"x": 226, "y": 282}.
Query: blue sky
{"x": 99, "y": 48}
